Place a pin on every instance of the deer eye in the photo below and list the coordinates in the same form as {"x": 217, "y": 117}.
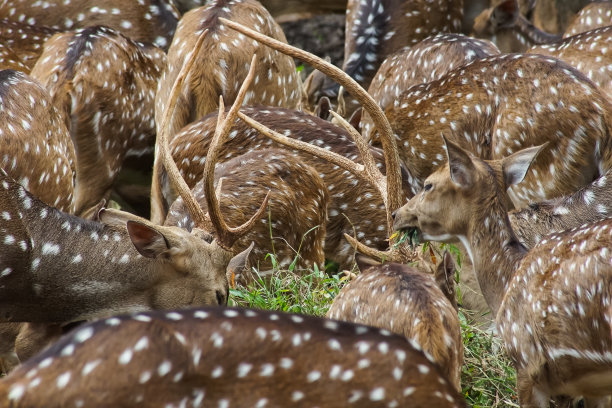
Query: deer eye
{"x": 427, "y": 187}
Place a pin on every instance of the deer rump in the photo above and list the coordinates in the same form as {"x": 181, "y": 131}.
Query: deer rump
{"x": 294, "y": 225}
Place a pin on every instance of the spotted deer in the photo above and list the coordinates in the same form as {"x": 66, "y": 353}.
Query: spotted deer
{"x": 149, "y": 21}
{"x": 591, "y": 203}
{"x": 135, "y": 266}
{"x": 225, "y": 62}
{"x": 35, "y": 146}
{"x": 504, "y": 25}
{"x": 294, "y": 229}
{"x": 354, "y": 208}
{"x": 195, "y": 357}
{"x": 378, "y": 28}
{"x": 497, "y": 105}
{"x": 587, "y": 52}
{"x": 24, "y": 40}
{"x": 104, "y": 86}
{"x": 408, "y": 301}
{"x": 552, "y": 303}
{"x": 423, "y": 62}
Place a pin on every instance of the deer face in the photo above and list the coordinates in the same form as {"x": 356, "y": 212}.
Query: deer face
{"x": 455, "y": 196}
{"x": 191, "y": 267}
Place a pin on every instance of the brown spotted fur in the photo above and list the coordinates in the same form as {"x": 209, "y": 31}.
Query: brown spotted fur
{"x": 200, "y": 357}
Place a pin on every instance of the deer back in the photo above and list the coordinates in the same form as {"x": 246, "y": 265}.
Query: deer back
{"x": 25, "y": 40}
{"x": 355, "y": 208}
{"x": 295, "y": 222}
{"x": 594, "y": 15}
{"x": 224, "y": 62}
{"x": 35, "y": 146}
{"x": 9, "y": 59}
{"x": 498, "y": 105}
{"x": 408, "y": 302}
{"x": 197, "y": 357}
{"x": 587, "y": 52}
{"x": 104, "y": 86}
{"x": 149, "y": 21}
{"x": 423, "y": 62}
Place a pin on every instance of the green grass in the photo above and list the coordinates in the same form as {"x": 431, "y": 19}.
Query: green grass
{"x": 488, "y": 379}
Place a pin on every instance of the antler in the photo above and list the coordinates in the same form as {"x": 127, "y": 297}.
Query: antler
{"x": 226, "y": 235}
{"x": 393, "y": 189}
{"x": 164, "y": 158}
{"x": 389, "y": 187}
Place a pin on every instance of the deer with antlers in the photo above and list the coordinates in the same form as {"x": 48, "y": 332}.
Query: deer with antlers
{"x": 104, "y": 86}
{"x": 552, "y": 302}
{"x": 409, "y": 302}
{"x": 196, "y": 358}
{"x": 148, "y": 21}
{"x": 354, "y": 207}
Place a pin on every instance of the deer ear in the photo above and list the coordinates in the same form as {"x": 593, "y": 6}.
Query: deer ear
{"x": 355, "y": 119}
{"x": 447, "y": 266}
{"x": 364, "y": 262}
{"x": 237, "y": 265}
{"x": 460, "y": 164}
{"x": 148, "y": 241}
{"x": 505, "y": 14}
{"x": 515, "y": 166}
{"x": 323, "y": 108}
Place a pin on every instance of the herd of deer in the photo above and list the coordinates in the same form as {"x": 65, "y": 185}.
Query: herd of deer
{"x": 507, "y": 154}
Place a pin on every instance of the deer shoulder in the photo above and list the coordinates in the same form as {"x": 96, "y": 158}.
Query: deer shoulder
{"x": 587, "y": 52}
{"x": 425, "y": 61}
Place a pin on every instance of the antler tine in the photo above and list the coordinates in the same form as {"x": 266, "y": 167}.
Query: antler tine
{"x": 378, "y": 180}
{"x": 226, "y": 235}
{"x": 163, "y": 153}
{"x": 394, "y": 192}
{"x": 357, "y": 169}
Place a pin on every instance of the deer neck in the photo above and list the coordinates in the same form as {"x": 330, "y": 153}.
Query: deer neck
{"x": 533, "y": 35}
{"x": 73, "y": 269}
{"x": 495, "y": 251}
